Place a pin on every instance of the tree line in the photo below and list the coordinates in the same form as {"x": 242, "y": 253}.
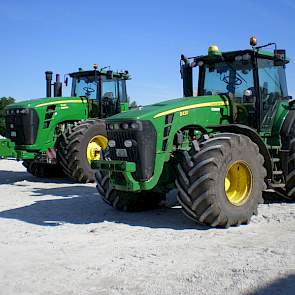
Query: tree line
{"x": 4, "y": 102}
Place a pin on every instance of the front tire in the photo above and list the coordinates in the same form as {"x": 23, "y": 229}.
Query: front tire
{"x": 126, "y": 201}
{"x": 222, "y": 184}
{"x": 80, "y": 144}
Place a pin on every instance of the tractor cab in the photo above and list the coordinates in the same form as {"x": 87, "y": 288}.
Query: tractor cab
{"x": 105, "y": 90}
{"x": 252, "y": 81}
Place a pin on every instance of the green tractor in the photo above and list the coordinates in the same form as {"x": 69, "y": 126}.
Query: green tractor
{"x": 230, "y": 138}
{"x": 61, "y": 135}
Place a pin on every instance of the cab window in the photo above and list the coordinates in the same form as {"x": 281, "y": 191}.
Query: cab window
{"x": 109, "y": 89}
{"x": 122, "y": 91}
{"x": 85, "y": 86}
{"x": 234, "y": 78}
{"x": 272, "y": 89}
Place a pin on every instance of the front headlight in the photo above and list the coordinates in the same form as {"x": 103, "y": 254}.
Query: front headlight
{"x": 110, "y": 126}
{"x": 24, "y": 111}
{"x": 116, "y": 126}
{"x": 134, "y": 125}
{"x": 124, "y": 126}
{"x": 112, "y": 143}
{"x": 128, "y": 143}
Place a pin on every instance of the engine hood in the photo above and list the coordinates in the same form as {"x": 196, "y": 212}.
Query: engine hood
{"x": 40, "y": 102}
{"x": 164, "y": 108}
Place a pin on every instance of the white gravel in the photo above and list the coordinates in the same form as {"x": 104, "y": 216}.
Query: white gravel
{"x": 58, "y": 237}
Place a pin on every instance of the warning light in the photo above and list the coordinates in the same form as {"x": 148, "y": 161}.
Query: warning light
{"x": 253, "y": 41}
{"x": 213, "y": 50}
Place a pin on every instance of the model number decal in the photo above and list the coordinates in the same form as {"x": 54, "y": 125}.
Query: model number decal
{"x": 183, "y": 113}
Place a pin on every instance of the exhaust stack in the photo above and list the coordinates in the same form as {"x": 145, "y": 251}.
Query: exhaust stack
{"x": 48, "y": 76}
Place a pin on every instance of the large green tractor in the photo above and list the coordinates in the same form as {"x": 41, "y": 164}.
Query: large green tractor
{"x": 61, "y": 135}
{"x": 221, "y": 148}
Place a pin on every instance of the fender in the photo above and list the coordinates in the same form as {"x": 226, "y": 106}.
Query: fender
{"x": 287, "y": 131}
{"x": 251, "y": 133}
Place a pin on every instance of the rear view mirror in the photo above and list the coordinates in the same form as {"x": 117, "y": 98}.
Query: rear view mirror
{"x": 279, "y": 57}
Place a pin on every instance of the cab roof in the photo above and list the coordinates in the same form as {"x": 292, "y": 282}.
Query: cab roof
{"x": 122, "y": 75}
{"x": 231, "y": 54}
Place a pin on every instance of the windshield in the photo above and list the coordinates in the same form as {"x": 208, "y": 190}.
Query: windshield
{"x": 85, "y": 86}
{"x": 111, "y": 89}
{"x": 229, "y": 77}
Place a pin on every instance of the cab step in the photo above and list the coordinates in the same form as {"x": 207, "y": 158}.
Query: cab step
{"x": 275, "y": 160}
{"x": 273, "y": 147}
{"x": 277, "y": 172}
{"x": 277, "y": 185}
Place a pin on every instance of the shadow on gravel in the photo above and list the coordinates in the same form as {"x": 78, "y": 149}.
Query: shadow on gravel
{"x": 11, "y": 177}
{"x": 83, "y": 205}
{"x": 284, "y": 286}
{"x": 273, "y": 198}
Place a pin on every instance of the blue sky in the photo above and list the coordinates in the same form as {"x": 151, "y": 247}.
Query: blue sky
{"x": 145, "y": 37}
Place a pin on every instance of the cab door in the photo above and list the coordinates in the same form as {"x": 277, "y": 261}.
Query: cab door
{"x": 272, "y": 89}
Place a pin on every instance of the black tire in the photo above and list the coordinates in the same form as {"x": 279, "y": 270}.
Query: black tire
{"x": 201, "y": 178}
{"x": 72, "y": 149}
{"x": 126, "y": 201}
{"x": 43, "y": 170}
{"x": 288, "y": 143}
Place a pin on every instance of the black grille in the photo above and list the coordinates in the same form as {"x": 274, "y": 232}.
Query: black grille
{"x": 143, "y": 148}
{"x": 120, "y": 136}
{"x": 22, "y": 125}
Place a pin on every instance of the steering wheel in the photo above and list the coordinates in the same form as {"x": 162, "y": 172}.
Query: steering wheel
{"x": 88, "y": 90}
{"x": 237, "y": 81}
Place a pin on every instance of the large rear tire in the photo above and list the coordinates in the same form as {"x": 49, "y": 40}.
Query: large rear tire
{"x": 222, "y": 184}
{"x": 80, "y": 144}
{"x": 126, "y": 201}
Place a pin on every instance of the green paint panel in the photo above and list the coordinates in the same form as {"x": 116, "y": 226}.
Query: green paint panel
{"x": 191, "y": 111}
{"x": 67, "y": 109}
{"x": 7, "y": 149}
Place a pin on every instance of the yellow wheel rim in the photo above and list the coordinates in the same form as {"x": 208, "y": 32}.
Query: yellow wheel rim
{"x": 94, "y": 147}
{"x": 238, "y": 183}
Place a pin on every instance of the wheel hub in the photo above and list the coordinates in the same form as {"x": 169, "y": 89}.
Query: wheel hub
{"x": 238, "y": 183}
{"x": 95, "y": 146}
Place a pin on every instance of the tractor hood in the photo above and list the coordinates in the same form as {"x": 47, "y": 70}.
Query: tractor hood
{"x": 40, "y": 102}
{"x": 169, "y": 107}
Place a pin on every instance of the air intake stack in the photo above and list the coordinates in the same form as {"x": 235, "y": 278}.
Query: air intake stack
{"x": 57, "y": 86}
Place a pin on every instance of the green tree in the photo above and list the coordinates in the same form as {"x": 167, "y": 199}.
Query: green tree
{"x": 133, "y": 104}
{"x": 4, "y": 101}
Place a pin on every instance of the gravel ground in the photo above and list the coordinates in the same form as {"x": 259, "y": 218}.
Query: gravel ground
{"x": 58, "y": 237}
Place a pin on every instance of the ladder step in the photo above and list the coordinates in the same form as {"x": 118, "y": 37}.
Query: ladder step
{"x": 277, "y": 185}
{"x": 277, "y": 172}
{"x": 273, "y": 147}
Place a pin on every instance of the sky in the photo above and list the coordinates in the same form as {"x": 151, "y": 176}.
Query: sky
{"x": 144, "y": 37}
